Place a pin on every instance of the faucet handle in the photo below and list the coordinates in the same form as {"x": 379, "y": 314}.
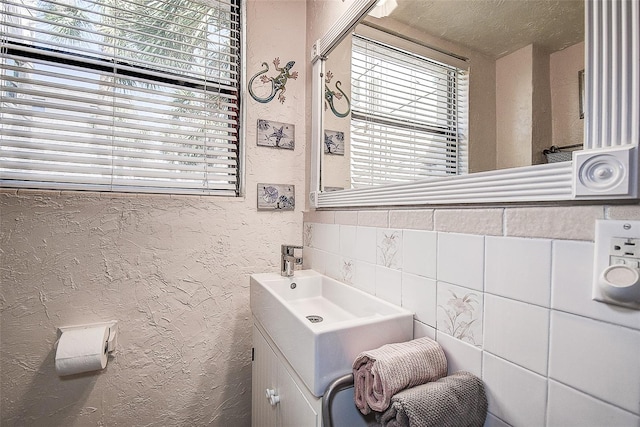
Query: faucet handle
{"x": 289, "y": 249}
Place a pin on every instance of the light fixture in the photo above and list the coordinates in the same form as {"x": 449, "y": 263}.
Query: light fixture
{"x": 383, "y": 8}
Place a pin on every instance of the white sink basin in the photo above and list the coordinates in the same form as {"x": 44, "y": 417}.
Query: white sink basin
{"x": 352, "y": 321}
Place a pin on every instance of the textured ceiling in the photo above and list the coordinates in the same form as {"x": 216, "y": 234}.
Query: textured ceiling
{"x": 497, "y": 27}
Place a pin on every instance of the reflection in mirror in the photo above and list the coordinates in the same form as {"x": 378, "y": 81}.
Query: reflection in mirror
{"x": 431, "y": 90}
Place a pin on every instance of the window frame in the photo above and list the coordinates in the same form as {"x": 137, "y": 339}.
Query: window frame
{"x": 59, "y": 57}
{"x": 455, "y": 71}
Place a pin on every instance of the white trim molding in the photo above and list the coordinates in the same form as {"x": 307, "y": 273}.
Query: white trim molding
{"x": 612, "y": 60}
{"x": 610, "y": 173}
{"x": 531, "y": 183}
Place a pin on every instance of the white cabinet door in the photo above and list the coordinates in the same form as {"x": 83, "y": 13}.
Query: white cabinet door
{"x": 288, "y": 407}
{"x": 295, "y": 410}
{"x": 264, "y": 373}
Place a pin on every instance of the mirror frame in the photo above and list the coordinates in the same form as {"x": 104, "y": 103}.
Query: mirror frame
{"x": 606, "y": 169}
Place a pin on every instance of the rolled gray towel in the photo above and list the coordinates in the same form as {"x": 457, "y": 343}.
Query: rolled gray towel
{"x": 379, "y": 374}
{"x": 458, "y": 400}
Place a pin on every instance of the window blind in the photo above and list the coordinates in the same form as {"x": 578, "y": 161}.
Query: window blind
{"x": 408, "y": 116}
{"x": 112, "y": 95}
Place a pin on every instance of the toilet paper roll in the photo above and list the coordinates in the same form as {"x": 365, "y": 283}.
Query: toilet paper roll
{"x": 82, "y": 350}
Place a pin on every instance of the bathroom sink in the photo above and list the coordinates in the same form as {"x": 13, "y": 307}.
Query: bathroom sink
{"x": 320, "y": 325}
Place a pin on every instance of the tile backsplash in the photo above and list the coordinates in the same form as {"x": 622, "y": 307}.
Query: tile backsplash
{"x": 515, "y": 310}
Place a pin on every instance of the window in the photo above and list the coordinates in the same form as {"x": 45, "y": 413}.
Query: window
{"x": 113, "y": 95}
{"x": 408, "y": 116}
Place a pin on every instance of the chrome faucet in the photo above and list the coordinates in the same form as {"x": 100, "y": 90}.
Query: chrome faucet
{"x": 289, "y": 260}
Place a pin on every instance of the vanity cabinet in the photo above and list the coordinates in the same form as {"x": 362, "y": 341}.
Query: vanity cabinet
{"x": 295, "y": 359}
{"x": 278, "y": 398}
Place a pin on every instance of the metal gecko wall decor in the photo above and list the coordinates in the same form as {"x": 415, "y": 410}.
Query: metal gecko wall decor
{"x": 330, "y": 95}
{"x": 278, "y": 82}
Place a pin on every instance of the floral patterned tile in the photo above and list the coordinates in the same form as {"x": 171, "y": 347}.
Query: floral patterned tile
{"x": 389, "y": 248}
{"x": 348, "y": 271}
{"x": 307, "y": 235}
{"x": 459, "y": 313}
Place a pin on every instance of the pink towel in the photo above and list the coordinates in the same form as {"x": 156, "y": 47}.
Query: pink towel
{"x": 379, "y": 374}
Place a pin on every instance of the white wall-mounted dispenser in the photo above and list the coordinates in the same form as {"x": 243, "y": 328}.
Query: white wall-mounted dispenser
{"x": 84, "y": 348}
{"x": 617, "y": 263}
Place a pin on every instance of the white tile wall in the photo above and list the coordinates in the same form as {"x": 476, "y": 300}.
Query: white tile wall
{"x": 516, "y": 395}
{"x": 326, "y": 237}
{"x": 348, "y": 248}
{"x": 365, "y": 277}
{"x": 333, "y": 265}
{"x": 493, "y": 421}
{"x": 389, "y": 284}
{"x": 313, "y": 259}
{"x": 517, "y": 331}
{"x": 460, "y": 259}
{"x": 460, "y": 355}
{"x": 548, "y": 354}
{"x": 420, "y": 330}
{"x": 519, "y": 268}
{"x": 366, "y": 240}
{"x": 597, "y": 358}
{"x": 419, "y": 296}
{"x": 419, "y": 252}
{"x": 569, "y": 407}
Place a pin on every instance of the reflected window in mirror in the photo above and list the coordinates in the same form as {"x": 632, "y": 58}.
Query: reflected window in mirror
{"x": 408, "y": 116}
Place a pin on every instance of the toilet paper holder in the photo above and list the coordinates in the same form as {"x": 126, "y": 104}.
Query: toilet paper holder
{"x": 113, "y": 332}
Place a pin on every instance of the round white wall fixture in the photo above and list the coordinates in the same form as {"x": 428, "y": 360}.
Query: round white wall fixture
{"x": 621, "y": 283}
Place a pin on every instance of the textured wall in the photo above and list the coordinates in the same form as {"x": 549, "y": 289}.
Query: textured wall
{"x": 568, "y": 128}
{"x": 541, "y": 131}
{"x": 172, "y": 270}
{"x": 514, "y": 108}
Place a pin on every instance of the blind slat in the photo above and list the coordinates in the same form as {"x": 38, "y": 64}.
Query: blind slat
{"x": 38, "y": 139}
{"x": 63, "y": 126}
{"x": 120, "y": 170}
{"x": 121, "y": 24}
{"x": 62, "y": 154}
{"x": 70, "y": 73}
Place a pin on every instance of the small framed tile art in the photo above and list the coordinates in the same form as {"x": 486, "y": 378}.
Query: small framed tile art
{"x": 276, "y": 197}
{"x": 276, "y": 134}
{"x": 334, "y": 142}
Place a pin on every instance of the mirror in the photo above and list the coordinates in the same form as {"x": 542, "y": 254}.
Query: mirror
{"x": 521, "y": 63}
{"x": 605, "y": 169}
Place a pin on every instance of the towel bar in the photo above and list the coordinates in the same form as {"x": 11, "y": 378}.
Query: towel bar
{"x": 333, "y": 388}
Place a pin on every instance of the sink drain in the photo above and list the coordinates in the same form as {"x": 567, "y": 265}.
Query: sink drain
{"x": 315, "y": 319}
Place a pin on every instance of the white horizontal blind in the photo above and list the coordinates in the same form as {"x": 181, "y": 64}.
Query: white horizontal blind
{"x": 113, "y": 95}
{"x": 409, "y": 116}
